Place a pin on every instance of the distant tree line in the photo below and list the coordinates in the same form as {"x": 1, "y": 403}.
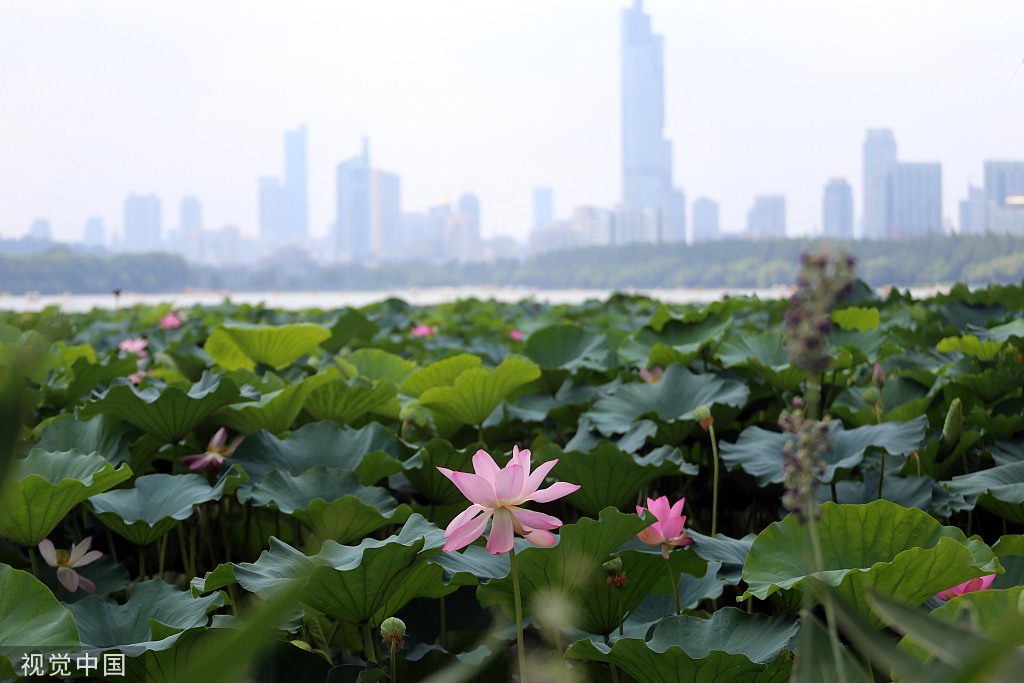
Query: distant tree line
{"x": 975, "y": 259}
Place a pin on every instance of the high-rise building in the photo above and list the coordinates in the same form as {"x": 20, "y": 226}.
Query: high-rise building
{"x": 95, "y": 233}
{"x": 386, "y": 215}
{"x": 1004, "y": 195}
{"x": 916, "y": 200}
{"x": 593, "y": 226}
{"x": 705, "y": 220}
{"x": 142, "y": 225}
{"x": 837, "y": 210}
{"x": 543, "y": 207}
{"x": 296, "y": 195}
{"x": 273, "y": 232}
{"x": 191, "y": 227}
{"x": 973, "y": 212}
{"x": 352, "y": 222}
{"x": 40, "y": 230}
{"x": 879, "y": 153}
{"x": 646, "y": 154}
{"x": 767, "y": 218}
{"x": 634, "y": 226}
{"x": 672, "y": 227}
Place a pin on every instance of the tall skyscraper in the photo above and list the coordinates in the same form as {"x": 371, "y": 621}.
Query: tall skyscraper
{"x": 386, "y": 215}
{"x": 593, "y": 226}
{"x": 916, "y": 200}
{"x": 879, "y": 153}
{"x": 837, "y": 210}
{"x": 767, "y": 218}
{"x": 142, "y": 225}
{"x": 296, "y": 195}
{"x": 1004, "y": 195}
{"x": 191, "y": 227}
{"x": 273, "y": 230}
{"x": 543, "y": 207}
{"x": 352, "y": 222}
{"x": 705, "y": 220}
{"x": 95, "y": 234}
{"x": 973, "y": 212}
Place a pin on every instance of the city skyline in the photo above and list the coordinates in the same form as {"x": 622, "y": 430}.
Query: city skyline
{"x": 518, "y": 126}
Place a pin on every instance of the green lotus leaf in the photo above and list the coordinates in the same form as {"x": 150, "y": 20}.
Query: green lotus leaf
{"x": 87, "y": 376}
{"x": 345, "y": 402}
{"x": 146, "y": 622}
{"x": 901, "y": 552}
{"x": 274, "y": 411}
{"x": 421, "y": 470}
{"x": 441, "y": 373}
{"x": 608, "y": 476}
{"x": 1000, "y": 490}
{"x": 356, "y": 584}
{"x": 856, "y": 318}
{"x": 730, "y": 552}
{"x": 567, "y": 347}
{"x": 350, "y": 325}
{"x": 676, "y": 341}
{"x": 169, "y": 414}
{"x": 30, "y": 618}
{"x": 759, "y": 451}
{"x": 159, "y": 501}
{"x": 1010, "y": 551}
{"x": 1000, "y": 333}
{"x": 44, "y": 487}
{"x": 539, "y": 407}
{"x": 97, "y": 435}
{"x": 730, "y": 646}
{"x": 372, "y": 452}
{"x": 990, "y": 385}
{"x": 233, "y": 346}
{"x": 764, "y": 355}
{"x": 817, "y": 661}
{"x": 910, "y": 492}
{"x": 330, "y": 501}
{"x": 673, "y": 397}
{"x": 572, "y": 569}
{"x": 378, "y": 365}
{"x": 903, "y": 398}
{"x": 970, "y": 345}
{"x": 476, "y": 392}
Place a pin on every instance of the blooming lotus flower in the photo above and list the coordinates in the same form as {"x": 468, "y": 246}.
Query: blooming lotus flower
{"x": 515, "y": 335}
{"x": 422, "y": 330}
{"x": 135, "y": 346}
{"x": 498, "y": 493}
{"x": 171, "y": 321}
{"x": 65, "y": 562}
{"x": 653, "y": 375}
{"x": 979, "y": 584}
{"x": 668, "y": 530}
{"x": 215, "y": 453}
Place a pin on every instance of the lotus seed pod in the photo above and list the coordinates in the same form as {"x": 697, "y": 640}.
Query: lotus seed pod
{"x": 392, "y": 631}
{"x": 953, "y": 428}
{"x": 703, "y": 416}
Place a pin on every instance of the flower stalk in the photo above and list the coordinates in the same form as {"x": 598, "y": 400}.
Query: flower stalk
{"x": 519, "y": 615}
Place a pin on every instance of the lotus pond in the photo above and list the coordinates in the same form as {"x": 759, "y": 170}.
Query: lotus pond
{"x": 235, "y": 492}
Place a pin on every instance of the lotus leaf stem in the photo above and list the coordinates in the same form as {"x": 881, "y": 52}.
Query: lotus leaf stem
{"x": 519, "y": 615}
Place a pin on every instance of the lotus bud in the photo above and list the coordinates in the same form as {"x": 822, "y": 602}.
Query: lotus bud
{"x": 613, "y": 568}
{"x": 953, "y": 428}
{"x": 392, "y": 632}
{"x": 703, "y": 417}
{"x": 878, "y": 376}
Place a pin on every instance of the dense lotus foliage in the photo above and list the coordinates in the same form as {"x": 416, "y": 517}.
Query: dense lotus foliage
{"x": 231, "y": 491}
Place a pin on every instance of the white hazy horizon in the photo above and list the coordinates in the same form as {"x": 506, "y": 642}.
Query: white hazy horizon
{"x": 107, "y": 98}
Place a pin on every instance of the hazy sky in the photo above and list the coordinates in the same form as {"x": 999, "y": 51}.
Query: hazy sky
{"x": 102, "y": 98}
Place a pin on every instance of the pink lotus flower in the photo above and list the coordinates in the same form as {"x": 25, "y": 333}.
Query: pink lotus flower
{"x": 422, "y": 330}
{"x": 135, "y": 346}
{"x": 668, "y": 530}
{"x": 653, "y": 375}
{"x": 515, "y": 335}
{"x": 65, "y": 562}
{"x": 216, "y": 452}
{"x": 498, "y": 493}
{"x": 136, "y": 377}
{"x": 979, "y": 584}
{"x": 171, "y": 321}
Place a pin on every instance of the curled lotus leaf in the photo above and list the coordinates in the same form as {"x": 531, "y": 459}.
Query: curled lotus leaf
{"x": 30, "y": 617}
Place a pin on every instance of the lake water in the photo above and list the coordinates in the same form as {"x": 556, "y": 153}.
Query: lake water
{"x": 76, "y": 303}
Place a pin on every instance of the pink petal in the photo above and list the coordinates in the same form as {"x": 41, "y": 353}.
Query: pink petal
{"x": 554, "y": 492}
{"x": 86, "y": 585}
{"x": 536, "y": 478}
{"x": 474, "y": 487}
{"x": 640, "y": 511}
{"x": 986, "y": 581}
{"x": 467, "y": 533}
{"x": 508, "y": 484}
{"x": 661, "y": 508}
{"x": 219, "y": 439}
{"x": 540, "y": 537}
{"x": 670, "y": 528}
{"x": 501, "y": 538}
{"x": 484, "y": 465}
{"x": 535, "y": 520}
{"x": 88, "y": 558}
{"x": 521, "y": 458}
{"x": 78, "y": 550}
{"x": 235, "y": 443}
{"x": 650, "y": 536}
{"x": 677, "y": 509}
{"x": 48, "y": 552}
{"x": 68, "y": 578}
{"x": 463, "y": 517}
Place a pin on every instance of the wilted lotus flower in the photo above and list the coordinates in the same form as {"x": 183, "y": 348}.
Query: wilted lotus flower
{"x": 65, "y": 562}
{"x": 498, "y": 493}
{"x": 422, "y": 331}
{"x": 979, "y": 584}
{"x": 515, "y": 335}
{"x": 668, "y": 530}
{"x": 135, "y": 346}
{"x": 215, "y": 453}
{"x": 171, "y": 321}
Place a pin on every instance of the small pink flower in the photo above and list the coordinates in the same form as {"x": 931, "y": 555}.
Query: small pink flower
{"x": 653, "y": 375}
{"x": 65, "y": 562}
{"x": 515, "y": 335}
{"x": 422, "y": 330}
{"x": 668, "y": 530}
{"x": 171, "y": 321}
{"x": 498, "y": 493}
{"x": 979, "y": 584}
{"x": 135, "y": 346}
{"x": 216, "y": 452}
{"x": 136, "y": 377}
